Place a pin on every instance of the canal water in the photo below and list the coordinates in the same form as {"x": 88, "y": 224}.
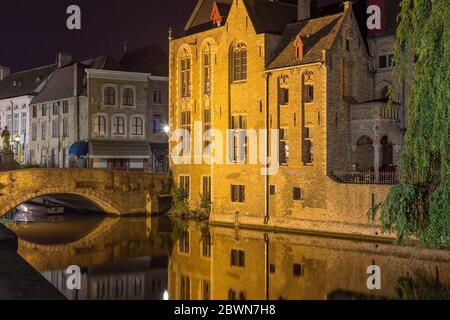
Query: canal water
{"x": 156, "y": 258}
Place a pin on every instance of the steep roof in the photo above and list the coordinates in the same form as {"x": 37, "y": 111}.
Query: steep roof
{"x": 25, "y": 82}
{"x": 149, "y": 59}
{"x": 316, "y": 34}
{"x": 61, "y": 84}
{"x": 267, "y": 16}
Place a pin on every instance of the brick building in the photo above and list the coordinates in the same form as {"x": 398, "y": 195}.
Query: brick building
{"x": 309, "y": 77}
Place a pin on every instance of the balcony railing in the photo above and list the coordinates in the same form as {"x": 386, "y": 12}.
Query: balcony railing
{"x": 367, "y": 177}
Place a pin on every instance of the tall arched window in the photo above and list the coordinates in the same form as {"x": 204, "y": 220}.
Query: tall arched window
{"x": 206, "y": 57}
{"x": 100, "y": 125}
{"x": 128, "y": 97}
{"x": 119, "y": 125}
{"x": 109, "y": 96}
{"x": 137, "y": 127}
{"x": 185, "y": 74}
{"x": 239, "y": 62}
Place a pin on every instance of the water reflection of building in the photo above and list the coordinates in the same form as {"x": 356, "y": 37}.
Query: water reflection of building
{"x": 119, "y": 259}
{"x": 254, "y": 265}
{"x": 142, "y": 278}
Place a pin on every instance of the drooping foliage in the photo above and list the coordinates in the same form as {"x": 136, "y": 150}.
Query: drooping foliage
{"x": 420, "y": 205}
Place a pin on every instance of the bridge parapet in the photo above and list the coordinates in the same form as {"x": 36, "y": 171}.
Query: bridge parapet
{"x": 116, "y": 192}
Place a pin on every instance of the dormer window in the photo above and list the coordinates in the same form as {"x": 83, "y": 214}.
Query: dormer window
{"x": 215, "y": 15}
{"x": 299, "y": 48}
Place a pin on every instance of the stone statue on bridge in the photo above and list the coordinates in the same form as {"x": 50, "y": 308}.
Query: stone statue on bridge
{"x": 6, "y": 141}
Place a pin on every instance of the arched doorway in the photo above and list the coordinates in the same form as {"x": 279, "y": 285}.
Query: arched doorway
{"x": 364, "y": 154}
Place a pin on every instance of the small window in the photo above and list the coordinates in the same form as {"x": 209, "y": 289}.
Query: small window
{"x": 206, "y": 245}
{"x": 297, "y": 194}
{"x": 34, "y": 111}
{"x": 119, "y": 126}
{"x": 309, "y": 93}
{"x": 157, "y": 124}
{"x": 298, "y": 270}
{"x": 65, "y": 106}
{"x": 65, "y": 127}
{"x": 237, "y": 258}
{"x": 239, "y": 67}
{"x": 385, "y": 61}
{"x": 55, "y": 128}
{"x": 231, "y": 294}
{"x": 206, "y": 186}
{"x": 100, "y": 125}
{"x": 109, "y": 96}
{"x": 273, "y": 190}
{"x": 183, "y": 243}
{"x": 157, "y": 96}
{"x": 347, "y": 44}
{"x": 272, "y": 268}
{"x": 128, "y": 97}
{"x": 284, "y": 146}
{"x": 43, "y": 130}
{"x": 185, "y": 185}
{"x": 284, "y": 96}
{"x": 185, "y": 288}
{"x": 44, "y": 110}
{"x": 206, "y": 290}
{"x": 56, "y": 108}
{"x": 137, "y": 127}
{"x": 237, "y": 193}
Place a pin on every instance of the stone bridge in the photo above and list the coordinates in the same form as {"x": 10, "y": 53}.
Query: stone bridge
{"x": 115, "y": 192}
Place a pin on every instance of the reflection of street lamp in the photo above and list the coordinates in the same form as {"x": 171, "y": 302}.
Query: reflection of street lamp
{"x": 17, "y": 141}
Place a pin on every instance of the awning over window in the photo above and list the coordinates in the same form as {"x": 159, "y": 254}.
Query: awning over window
{"x": 108, "y": 149}
{"x": 79, "y": 148}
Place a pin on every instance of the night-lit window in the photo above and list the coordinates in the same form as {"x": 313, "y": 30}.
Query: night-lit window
{"x": 109, "y": 96}
{"x": 237, "y": 258}
{"x": 157, "y": 124}
{"x": 206, "y": 131}
{"x": 119, "y": 126}
{"x": 237, "y": 193}
{"x": 100, "y": 125}
{"x": 239, "y": 133}
{"x": 184, "y": 243}
{"x": 206, "y": 187}
{"x": 309, "y": 93}
{"x": 206, "y": 290}
{"x": 44, "y": 130}
{"x": 185, "y": 288}
{"x": 185, "y": 75}
{"x": 128, "y": 97}
{"x": 157, "y": 96}
{"x": 298, "y": 270}
{"x": 284, "y": 96}
{"x": 207, "y": 69}
{"x": 185, "y": 125}
{"x": 284, "y": 146}
{"x": 239, "y": 67}
{"x": 297, "y": 194}
{"x": 137, "y": 127}
{"x": 185, "y": 185}
{"x": 65, "y": 127}
{"x": 206, "y": 245}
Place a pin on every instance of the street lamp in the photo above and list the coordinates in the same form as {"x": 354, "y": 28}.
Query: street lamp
{"x": 166, "y": 129}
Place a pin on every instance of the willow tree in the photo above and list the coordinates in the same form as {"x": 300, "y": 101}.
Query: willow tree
{"x": 420, "y": 205}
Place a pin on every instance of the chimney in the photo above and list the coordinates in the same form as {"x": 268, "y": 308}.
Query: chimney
{"x": 304, "y": 10}
{"x": 77, "y": 79}
{"x": 4, "y": 72}
{"x": 64, "y": 59}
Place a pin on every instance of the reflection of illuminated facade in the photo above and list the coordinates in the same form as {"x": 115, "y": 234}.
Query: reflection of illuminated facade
{"x": 252, "y": 265}
{"x": 136, "y": 279}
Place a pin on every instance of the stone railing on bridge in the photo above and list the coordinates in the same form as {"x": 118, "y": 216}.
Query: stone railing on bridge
{"x": 115, "y": 192}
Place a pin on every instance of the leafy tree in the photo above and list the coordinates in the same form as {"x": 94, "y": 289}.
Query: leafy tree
{"x": 420, "y": 204}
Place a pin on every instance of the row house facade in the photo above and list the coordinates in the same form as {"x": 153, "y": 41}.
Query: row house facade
{"x": 95, "y": 114}
{"x": 305, "y": 77}
{"x": 16, "y": 93}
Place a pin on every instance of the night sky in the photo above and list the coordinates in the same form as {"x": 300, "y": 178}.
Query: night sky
{"x": 33, "y": 31}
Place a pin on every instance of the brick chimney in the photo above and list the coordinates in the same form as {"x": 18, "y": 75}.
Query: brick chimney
{"x": 4, "y": 72}
{"x": 304, "y": 10}
{"x": 63, "y": 59}
{"x": 77, "y": 79}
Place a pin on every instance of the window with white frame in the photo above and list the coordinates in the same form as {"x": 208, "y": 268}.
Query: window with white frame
{"x": 128, "y": 97}
{"x": 119, "y": 125}
{"x": 100, "y": 125}
{"x": 109, "y": 96}
{"x": 137, "y": 126}
{"x": 157, "y": 96}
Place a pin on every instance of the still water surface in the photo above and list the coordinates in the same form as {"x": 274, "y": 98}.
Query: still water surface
{"x": 153, "y": 258}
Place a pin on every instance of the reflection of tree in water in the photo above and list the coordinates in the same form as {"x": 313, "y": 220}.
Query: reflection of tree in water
{"x": 420, "y": 286}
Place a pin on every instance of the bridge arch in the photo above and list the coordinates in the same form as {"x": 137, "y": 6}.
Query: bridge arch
{"x": 115, "y": 192}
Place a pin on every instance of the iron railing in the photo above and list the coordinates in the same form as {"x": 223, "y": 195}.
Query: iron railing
{"x": 367, "y": 177}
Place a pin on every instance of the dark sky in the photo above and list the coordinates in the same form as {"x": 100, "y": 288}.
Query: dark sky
{"x": 33, "y": 31}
